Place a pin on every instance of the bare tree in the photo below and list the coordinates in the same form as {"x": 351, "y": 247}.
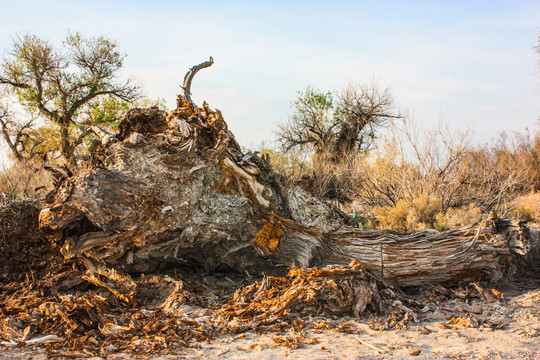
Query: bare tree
{"x": 348, "y": 126}
{"x": 61, "y": 84}
{"x": 362, "y": 109}
{"x": 410, "y": 162}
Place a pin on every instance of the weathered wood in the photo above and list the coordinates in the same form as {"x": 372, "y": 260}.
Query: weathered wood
{"x": 174, "y": 189}
{"x": 478, "y": 251}
{"x": 186, "y": 88}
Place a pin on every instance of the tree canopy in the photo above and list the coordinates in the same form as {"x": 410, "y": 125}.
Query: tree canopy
{"x": 62, "y": 85}
{"x": 334, "y": 124}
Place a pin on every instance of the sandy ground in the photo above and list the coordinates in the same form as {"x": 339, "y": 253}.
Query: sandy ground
{"x": 507, "y": 329}
{"x": 502, "y": 329}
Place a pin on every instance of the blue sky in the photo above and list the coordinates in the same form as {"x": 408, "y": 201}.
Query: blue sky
{"x": 470, "y": 63}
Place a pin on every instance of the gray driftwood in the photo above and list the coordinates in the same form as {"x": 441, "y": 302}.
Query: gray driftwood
{"x": 487, "y": 249}
{"x": 186, "y": 87}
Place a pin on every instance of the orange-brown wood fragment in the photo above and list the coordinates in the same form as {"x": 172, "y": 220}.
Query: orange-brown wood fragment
{"x": 276, "y": 228}
{"x": 271, "y": 233}
{"x": 283, "y": 239}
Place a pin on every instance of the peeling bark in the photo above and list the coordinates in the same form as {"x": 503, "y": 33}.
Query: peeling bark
{"x": 486, "y": 249}
{"x": 174, "y": 189}
{"x": 177, "y": 190}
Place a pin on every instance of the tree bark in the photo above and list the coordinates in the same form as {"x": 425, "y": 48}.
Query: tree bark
{"x": 186, "y": 87}
{"x": 486, "y": 249}
{"x": 176, "y": 190}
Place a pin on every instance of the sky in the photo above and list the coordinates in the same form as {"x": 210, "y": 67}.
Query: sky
{"x": 468, "y": 63}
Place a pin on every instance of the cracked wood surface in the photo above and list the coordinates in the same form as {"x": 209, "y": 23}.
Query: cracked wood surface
{"x": 486, "y": 249}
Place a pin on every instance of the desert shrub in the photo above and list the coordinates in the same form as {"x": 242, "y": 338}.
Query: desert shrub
{"x": 526, "y": 207}
{"x": 320, "y": 173}
{"x": 406, "y": 215}
{"x": 336, "y": 179}
{"x": 22, "y": 181}
{"x": 418, "y": 179}
{"x": 414, "y": 178}
{"x": 408, "y": 163}
{"x": 457, "y": 217}
{"x": 425, "y": 212}
{"x": 495, "y": 174}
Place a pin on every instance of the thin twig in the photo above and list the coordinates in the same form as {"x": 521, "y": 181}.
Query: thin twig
{"x": 372, "y": 347}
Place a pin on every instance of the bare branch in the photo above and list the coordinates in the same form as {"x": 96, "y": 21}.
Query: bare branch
{"x": 104, "y": 135}
{"x": 186, "y": 88}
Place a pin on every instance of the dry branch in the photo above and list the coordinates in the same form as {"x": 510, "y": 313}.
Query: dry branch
{"x": 175, "y": 189}
{"x": 186, "y": 88}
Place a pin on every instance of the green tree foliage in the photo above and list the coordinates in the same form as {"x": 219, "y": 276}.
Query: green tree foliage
{"x": 334, "y": 130}
{"x": 312, "y": 124}
{"x": 331, "y": 124}
{"x": 65, "y": 87}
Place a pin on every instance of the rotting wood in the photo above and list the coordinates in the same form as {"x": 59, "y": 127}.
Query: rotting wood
{"x": 175, "y": 189}
{"x": 478, "y": 251}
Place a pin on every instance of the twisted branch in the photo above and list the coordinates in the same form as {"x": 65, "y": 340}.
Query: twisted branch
{"x": 186, "y": 88}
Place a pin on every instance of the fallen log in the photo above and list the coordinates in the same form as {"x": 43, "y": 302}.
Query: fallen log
{"x": 176, "y": 189}
{"x": 486, "y": 249}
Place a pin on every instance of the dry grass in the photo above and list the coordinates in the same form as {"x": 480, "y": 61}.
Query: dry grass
{"x": 22, "y": 181}
{"x": 416, "y": 178}
{"x": 526, "y": 207}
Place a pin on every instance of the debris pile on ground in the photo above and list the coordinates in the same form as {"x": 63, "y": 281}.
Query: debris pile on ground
{"x": 66, "y": 312}
{"x": 94, "y": 321}
{"x": 23, "y": 249}
{"x": 307, "y": 293}
{"x": 73, "y": 310}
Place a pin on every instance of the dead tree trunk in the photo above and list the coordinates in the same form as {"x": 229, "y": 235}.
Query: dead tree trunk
{"x": 176, "y": 189}
{"x": 485, "y": 249}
